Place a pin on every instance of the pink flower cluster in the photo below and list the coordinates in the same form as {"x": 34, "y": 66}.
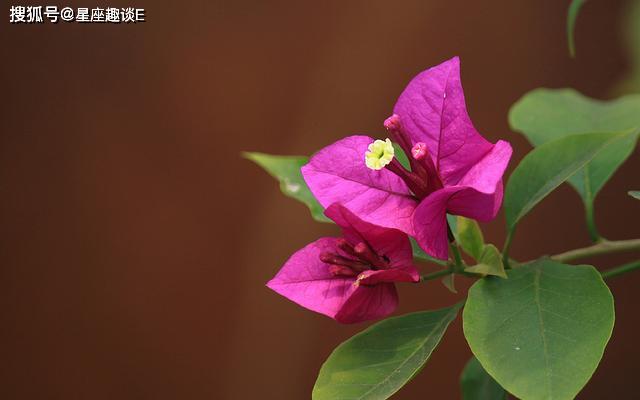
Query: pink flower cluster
{"x": 453, "y": 170}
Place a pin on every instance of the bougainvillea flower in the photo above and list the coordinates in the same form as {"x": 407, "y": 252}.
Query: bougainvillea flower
{"x": 350, "y": 279}
{"x": 453, "y": 169}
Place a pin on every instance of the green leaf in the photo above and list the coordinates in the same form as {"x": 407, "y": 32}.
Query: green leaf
{"x": 478, "y": 385}
{"x": 469, "y": 236}
{"x": 286, "y": 169}
{"x": 544, "y": 115}
{"x": 542, "y": 332}
{"x": 421, "y": 255}
{"x": 635, "y": 194}
{"x": 489, "y": 263}
{"x": 377, "y": 362}
{"x": 572, "y": 15}
{"x": 550, "y": 164}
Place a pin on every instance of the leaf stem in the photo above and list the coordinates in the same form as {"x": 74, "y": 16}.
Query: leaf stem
{"x": 622, "y": 269}
{"x": 591, "y": 224}
{"x": 603, "y": 247}
{"x": 505, "y": 250}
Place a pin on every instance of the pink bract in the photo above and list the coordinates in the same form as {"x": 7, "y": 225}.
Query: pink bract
{"x": 462, "y": 176}
{"x": 370, "y": 294}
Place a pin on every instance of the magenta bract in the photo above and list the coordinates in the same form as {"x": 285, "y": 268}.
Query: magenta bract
{"x": 453, "y": 168}
{"x": 350, "y": 279}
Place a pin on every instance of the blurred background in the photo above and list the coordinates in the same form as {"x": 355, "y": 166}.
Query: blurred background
{"x": 135, "y": 242}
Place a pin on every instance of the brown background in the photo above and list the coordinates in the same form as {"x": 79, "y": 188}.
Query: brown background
{"x": 135, "y": 242}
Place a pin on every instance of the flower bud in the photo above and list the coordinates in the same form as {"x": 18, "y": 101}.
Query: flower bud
{"x": 419, "y": 151}
{"x": 392, "y": 123}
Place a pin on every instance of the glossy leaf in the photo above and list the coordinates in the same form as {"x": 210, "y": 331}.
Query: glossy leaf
{"x": 377, "y": 362}
{"x": 489, "y": 263}
{"x": 469, "y": 236}
{"x": 549, "y": 165}
{"x": 635, "y": 194}
{"x": 541, "y": 333}
{"x": 572, "y": 16}
{"x": 286, "y": 169}
{"x": 544, "y": 115}
{"x": 476, "y": 384}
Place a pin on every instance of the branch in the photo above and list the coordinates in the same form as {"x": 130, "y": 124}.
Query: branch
{"x": 623, "y": 269}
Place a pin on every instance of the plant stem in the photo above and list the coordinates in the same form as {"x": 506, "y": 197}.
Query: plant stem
{"x": 455, "y": 266}
{"x": 603, "y": 247}
{"x": 505, "y": 250}
{"x": 623, "y": 269}
{"x": 458, "y": 266}
{"x": 436, "y": 275}
{"x": 591, "y": 223}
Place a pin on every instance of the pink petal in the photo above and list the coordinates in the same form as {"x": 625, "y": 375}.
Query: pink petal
{"x": 430, "y": 224}
{"x": 384, "y": 241}
{"x": 306, "y": 280}
{"x": 430, "y": 220}
{"x": 432, "y": 110}
{"x": 369, "y": 302}
{"x": 338, "y": 174}
{"x": 486, "y": 175}
{"x": 473, "y": 204}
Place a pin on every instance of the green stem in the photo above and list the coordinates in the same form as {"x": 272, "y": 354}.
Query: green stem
{"x": 505, "y": 250}
{"x": 457, "y": 257}
{"x": 603, "y": 247}
{"x": 456, "y": 266}
{"x": 591, "y": 223}
{"x": 623, "y": 269}
{"x": 436, "y": 275}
